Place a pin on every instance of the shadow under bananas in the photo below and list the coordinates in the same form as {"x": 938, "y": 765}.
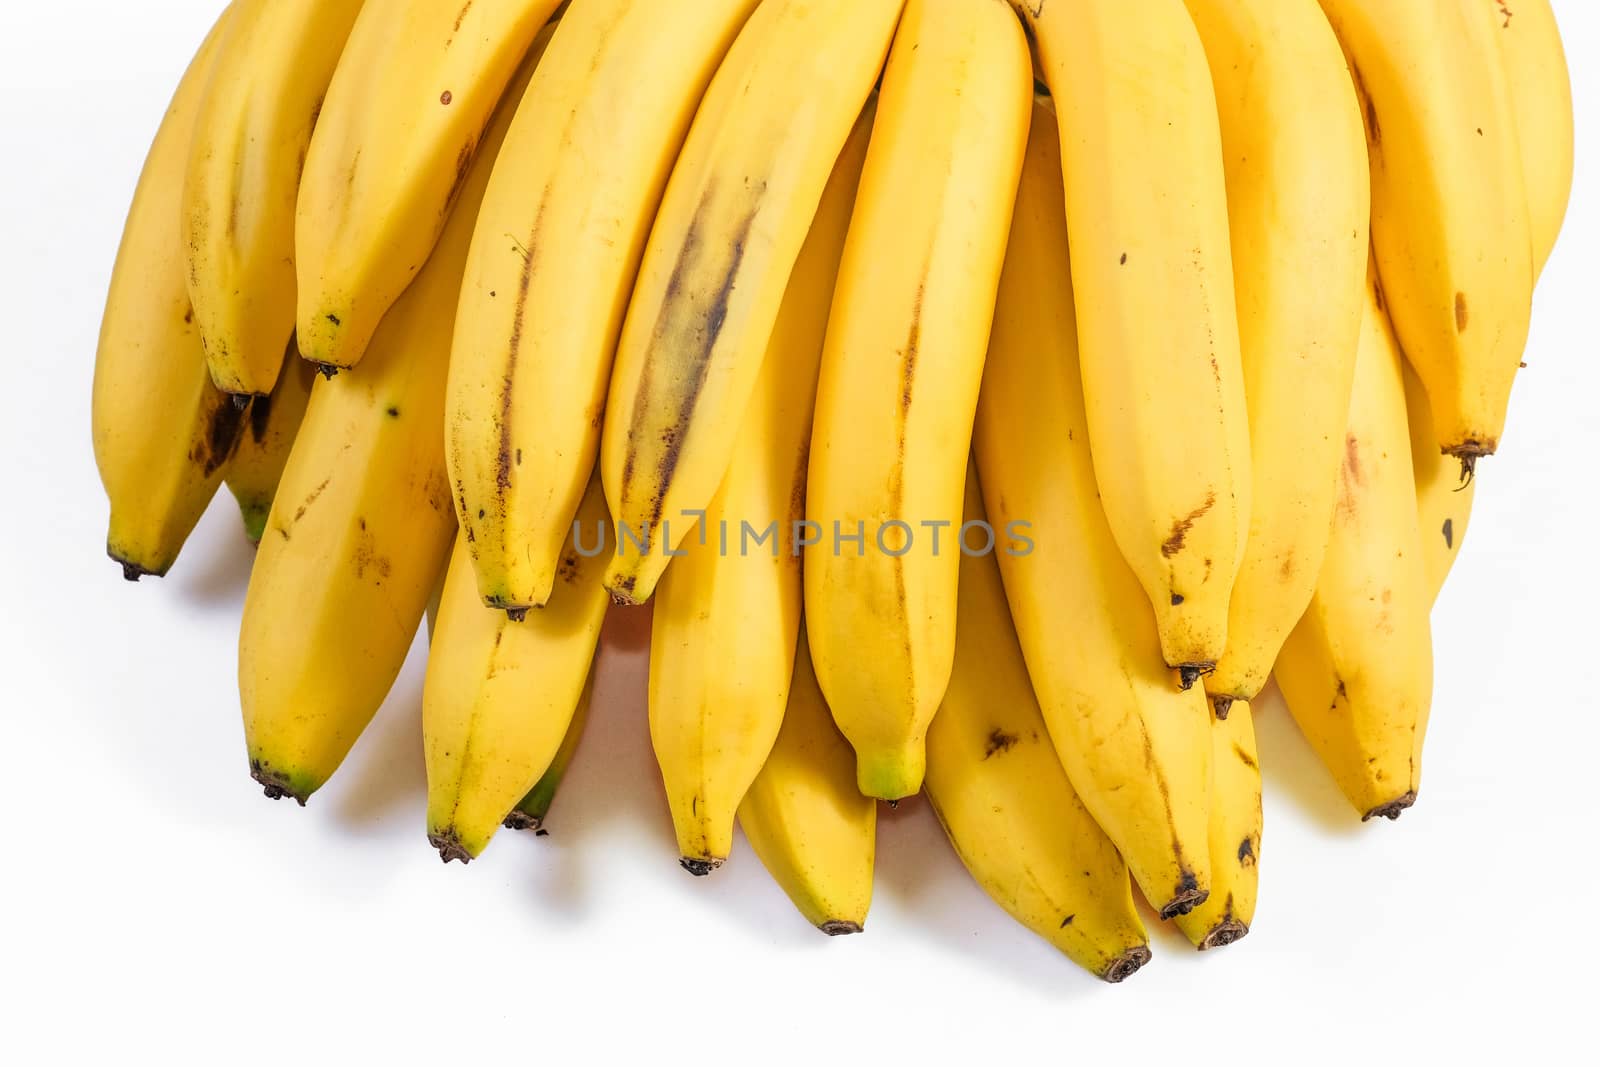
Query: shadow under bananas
{"x": 213, "y": 570}
{"x": 382, "y": 790}
{"x": 1290, "y": 768}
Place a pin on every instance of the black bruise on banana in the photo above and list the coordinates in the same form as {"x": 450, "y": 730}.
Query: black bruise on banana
{"x": 222, "y": 433}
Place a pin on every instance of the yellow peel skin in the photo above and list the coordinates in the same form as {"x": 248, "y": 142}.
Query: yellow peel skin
{"x": 360, "y": 530}
{"x": 1005, "y": 803}
{"x": 271, "y": 425}
{"x": 394, "y": 143}
{"x": 162, "y": 432}
{"x": 1153, "y": 276}
{"x": 1136, "y": 748}
{"x": 732, "y": 220}
{"x": 1444, "y": 497}
{"x": 900, "y": 375}
{"x": 1226, "y": 915}
{"x": 714, "y": 717}
{"x": 1295, "y": 160}
{"x": 533, "y": 809}
{"x": 1357, "y": 672}
{"x": 553, "y": 263}
{"x": 243, "y": 176}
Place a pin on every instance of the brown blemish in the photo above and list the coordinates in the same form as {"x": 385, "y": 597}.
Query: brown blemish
{"x": 1181, "y": 527}
{"x": 1177, "y": 599}
{"x": 1449, "y": 533}
{"x": 1247, "y": 852}
{"x": 221, "y": 438}
{"x": 1461, "y": 313}
{"x": 445, "y": 98}
{"x": 998, "y": 742}
{"x": 1245, "y": 758}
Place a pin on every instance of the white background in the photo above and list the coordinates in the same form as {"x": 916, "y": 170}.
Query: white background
{"x": 154, "y": 901}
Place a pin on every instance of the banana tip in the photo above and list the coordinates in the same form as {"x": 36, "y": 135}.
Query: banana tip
{"x": 1190, "y": 673}
{"x": 449, "y": 846}
{"x": 1127, "y": 964}
{"x": 1393, "y": 808}
{"x": 699, "y": 867}
{"x": 839, "y": 927}
{"x": 521, "y": 820}
{"x": 1188, "y": 898}
{"x": 276, "y": 786}
{"x": 1220, "y": 706}
{"x": 1225, "y": 932}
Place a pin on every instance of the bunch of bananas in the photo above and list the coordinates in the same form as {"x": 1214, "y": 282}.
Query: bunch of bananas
{"x": 991, "y": 398}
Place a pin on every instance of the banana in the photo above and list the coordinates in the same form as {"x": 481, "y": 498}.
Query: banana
{"x": 501, "y": 694}
{"x": 1450, "y": 221}
{"x": 243, "y": 176}
{"x": 162, "y": 432}
{"x": 904, "y": 358}
{"x": 532, "y": 810}
{"x": 360, "y": 529}
{"x": 257, "y": 466}
{"x": 393, "y": 148}
{"x": 1148, "y": 212}
{"x": 1444, "y": 498}
{"x": 808, "y": 824}
{"x": 714, "y": 717}
{"x": 731, "y": 223}
{"x": 999, "y": 791}
{"x": 1296, "y": 168}
{"x": 553, "y": 262}
{"x": 1357, "y": 672}
{"x": 1226, "y": 915}
{"x": 1136, "y": 748}
{"x": 1529, "y": 45}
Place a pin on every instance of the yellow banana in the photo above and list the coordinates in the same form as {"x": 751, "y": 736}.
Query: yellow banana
{"x": 162, "y": 431}
{"x": 393, "y": 147}
{"x": 1148, "y": 210}
{"x": 534, "y": 808}
{"x": 714, "y": 717}
{"x": 553, "y": 262}
{"x": 257, "y": 466}
{"x": 360, "y": 529}
{"x": 1529, "y": 44}
{"x": 1450, "y": 222}
{"x": 731, "y": 223}
{"x": 1357, "y": 672}
{"x": 1296, "y": 167}
{"x": 808, "y": 824}
{"x": 904, "y": 358}
{"x": 999, "y": 791}
{"x": 243, "y": 176}
{"x": 1444, "y": 497}
{"x": 1226, "y": 915}
{"x": 1136, "y": 748}
{"x": 501, "y": 694}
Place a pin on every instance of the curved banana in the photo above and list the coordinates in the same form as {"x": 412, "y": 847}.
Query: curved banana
{"x": 1296, "y": 166}
{"x": 1450, "y": 222}
{"x": 1148, "y": 211}
{"x": 904, "y": 358}
{"x": 243, "y": 177}
{"x": 999, "y": 791}
{"x": 360, "y": 529}
{"x": 532, "y": 810}
{"x": 1529, "y": 43}
{"x": 500, "y": 694}
{"x": 1226, "y": 915}
{"x": 162, "y": 431}
{"x": 553, "y": 262}
{"x": 1136, "y": 748}
{"x": 1444, "y": 497}
{"x": 714, "y": 716}
{"x": 393, "y": 148}
{"x": 257, "y": 466}
{"x": 732, "y": 220}
{"x": 1357, "y": 672}
{"x": 808, "y": 824}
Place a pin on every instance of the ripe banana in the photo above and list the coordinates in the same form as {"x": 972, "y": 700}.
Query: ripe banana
{"x": 162, "y": 431}
{"x": 1450, "y": 222}
{"x": 804, "y": 817}
{"x": 1226, "y": 915}
{"x": 731, "y": 223}
{"x": 243, "y": 176}
{"x": 1148, "y": 210}
{"x": 1296, "y": 166}
{"x": 904, "y": 358}
{"x": 714, "y": 718}
{"x": 1529, "y": 45}
{"x": 501, "y": 694}
{"x": 553, "y": 262}
{"x": 1136, "y": 748}
{"x": 999, "y": 791}
{"x": 1357, "y": 672}
{"x": 360, "y": 529}
{"x": 532, "y": 810}
{"x": 393, "y": 148}
{"x": 257, "y": 466}
{"x": 1444, "y": 498}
